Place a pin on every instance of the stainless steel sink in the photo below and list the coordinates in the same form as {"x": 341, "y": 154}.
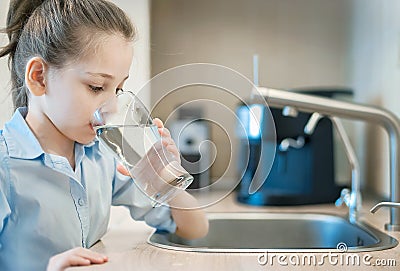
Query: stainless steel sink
{"x": 279, "y": 232}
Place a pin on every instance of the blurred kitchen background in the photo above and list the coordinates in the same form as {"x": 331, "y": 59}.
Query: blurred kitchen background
{"x": 351, "y": 44}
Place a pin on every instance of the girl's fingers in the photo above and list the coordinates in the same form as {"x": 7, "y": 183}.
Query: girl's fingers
{"x": 95, "y": 259}
{"x": 158, "y": 123}
{"x": 75, "y": 257}
{"x": 92, "y": 256}
{"x": 170, "y": 145}
{"x": 174, "y": 151}
{"x": 76, "y": 260}
{"x": 121, "y": 169}
{"x": 161, "y": 129}
{"x": 164, "y": 132}
{"x": 167, "y": 141}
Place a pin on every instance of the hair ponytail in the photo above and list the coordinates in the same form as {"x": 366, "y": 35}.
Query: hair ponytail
{"x": 18, "y": 14}
{"x": 59, "y": 31}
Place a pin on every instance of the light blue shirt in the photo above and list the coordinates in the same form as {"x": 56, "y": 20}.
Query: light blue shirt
{"x": 46, "y": 207}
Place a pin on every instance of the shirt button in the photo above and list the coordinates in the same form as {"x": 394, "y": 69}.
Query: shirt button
{"x": 81, "y": 202}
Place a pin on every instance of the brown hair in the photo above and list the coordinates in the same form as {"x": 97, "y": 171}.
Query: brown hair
{"x": 59, "y": 31}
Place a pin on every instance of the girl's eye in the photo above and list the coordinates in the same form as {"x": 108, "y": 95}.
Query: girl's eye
{"x": 96, "y": 89}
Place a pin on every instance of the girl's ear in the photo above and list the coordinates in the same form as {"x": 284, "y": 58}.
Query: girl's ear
{"x": 35, "y": 76}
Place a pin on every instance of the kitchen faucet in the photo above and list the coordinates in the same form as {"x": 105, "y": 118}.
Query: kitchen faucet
{"x": 351, "y": 198}
{"x": 335, "y": 108}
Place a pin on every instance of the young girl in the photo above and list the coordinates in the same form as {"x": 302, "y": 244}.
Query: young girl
{"x": 67, "y": 57}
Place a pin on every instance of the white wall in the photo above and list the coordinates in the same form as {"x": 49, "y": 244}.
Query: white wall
{"x": 300, "y": 43}
{"x": 139, "y": 12}
{"x": 140, "y": 72}
{"x": 6, "y": 107}
{"x": 375, "y": 75}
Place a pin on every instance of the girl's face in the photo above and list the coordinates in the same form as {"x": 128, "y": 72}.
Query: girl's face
{"x": 75, "y": 92}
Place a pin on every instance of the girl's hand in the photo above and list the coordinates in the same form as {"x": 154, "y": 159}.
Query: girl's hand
{"x": 75, "y": 257}
{"x": 166, "y": 140}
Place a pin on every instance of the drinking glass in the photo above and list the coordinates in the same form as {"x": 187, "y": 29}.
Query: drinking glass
{"x": 125, "y": 127}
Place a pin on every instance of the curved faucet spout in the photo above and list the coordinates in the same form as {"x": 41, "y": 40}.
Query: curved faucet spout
{"x": 384, "y": 204}
{"x": 355, "y": 111}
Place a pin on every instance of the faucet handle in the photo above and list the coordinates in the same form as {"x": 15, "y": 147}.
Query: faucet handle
{"x": 290, "y": 142}
{"x": 344, "y": 198}
{"x": 290, "y": 111}
{"x": 384, "y": 204}
{"x": 312, "y": 123}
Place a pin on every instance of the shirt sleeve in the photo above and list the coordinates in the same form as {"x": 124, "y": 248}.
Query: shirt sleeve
{"x": 5, "y": 209}
{"x": 126, "y": 193}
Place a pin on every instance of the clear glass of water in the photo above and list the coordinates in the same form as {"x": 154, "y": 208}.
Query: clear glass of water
{"x": 125, "y": 127}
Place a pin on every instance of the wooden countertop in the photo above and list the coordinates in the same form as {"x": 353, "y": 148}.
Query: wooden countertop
{"x": 126, "y": 246}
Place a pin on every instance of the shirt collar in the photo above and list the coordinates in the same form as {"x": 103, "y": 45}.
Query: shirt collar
{"x": 21, "y": 141}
